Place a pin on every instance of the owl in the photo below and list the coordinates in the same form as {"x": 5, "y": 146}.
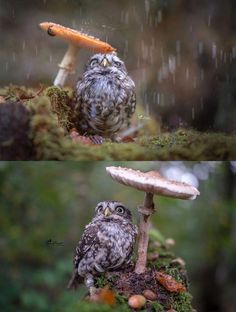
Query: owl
{"x": 106, "y": 244}
{"x": 105, "y": 97}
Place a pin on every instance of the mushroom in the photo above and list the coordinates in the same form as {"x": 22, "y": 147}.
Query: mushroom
{"x": 75, "y": 41}
{"x": 152, "y": 183}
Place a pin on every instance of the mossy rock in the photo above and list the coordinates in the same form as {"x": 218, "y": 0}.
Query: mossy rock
{"x": 36, "y": 124}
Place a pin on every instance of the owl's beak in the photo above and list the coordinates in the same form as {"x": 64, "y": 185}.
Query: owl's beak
{"x": 107, "y": 212}
{"x": 104, "y": 62}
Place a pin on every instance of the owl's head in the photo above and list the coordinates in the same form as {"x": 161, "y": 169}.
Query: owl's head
{"x": 106, "y": 62}
{"x": 112, "y": 210}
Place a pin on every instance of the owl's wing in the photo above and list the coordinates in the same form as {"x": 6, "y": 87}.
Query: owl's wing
{"x": 88, "y": 239}
{"x": 131, "y": 104}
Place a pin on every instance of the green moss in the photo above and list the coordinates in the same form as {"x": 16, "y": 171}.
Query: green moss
{"x": 60, "y": 105}
{"x": 182, "y": 302}
{"x": 157, "y": 307}
{"x": 49, "y": 138}
{"x": 52, "y": 118}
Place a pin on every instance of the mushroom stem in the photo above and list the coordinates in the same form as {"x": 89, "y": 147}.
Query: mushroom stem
{"x": 67, "y": 66}
{"x": 144, "y": 226}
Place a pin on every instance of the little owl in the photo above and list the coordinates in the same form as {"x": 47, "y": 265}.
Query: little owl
{"x": 106, "y": 244}
{"x": 105, "y": 96}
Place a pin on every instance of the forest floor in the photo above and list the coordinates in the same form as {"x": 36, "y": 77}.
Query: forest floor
{"x": 36, "y": 125}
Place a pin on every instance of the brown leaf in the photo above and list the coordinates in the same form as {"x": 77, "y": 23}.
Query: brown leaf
{"x": 107, "y": 296}
{"x": 169, "y": 283}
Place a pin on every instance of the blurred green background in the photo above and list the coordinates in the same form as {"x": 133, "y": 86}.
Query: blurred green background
{"x": 54, "y": 201}
{"x": 181, "y": 54}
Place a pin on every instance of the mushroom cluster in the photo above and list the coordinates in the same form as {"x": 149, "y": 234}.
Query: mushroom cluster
{"x": 76, "y": 40}
{"x": 151, "y": 183}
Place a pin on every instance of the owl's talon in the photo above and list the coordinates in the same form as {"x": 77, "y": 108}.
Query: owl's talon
{"x": 97, "y": 139}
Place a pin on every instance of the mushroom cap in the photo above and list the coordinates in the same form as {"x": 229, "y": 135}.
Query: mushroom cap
{"x": 152, "y": 182}
{"x": 76, "y": 37}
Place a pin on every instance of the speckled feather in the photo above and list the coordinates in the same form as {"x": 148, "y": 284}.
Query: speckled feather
{"x": 105, "y": 96}
{"x": 106, "y": 244}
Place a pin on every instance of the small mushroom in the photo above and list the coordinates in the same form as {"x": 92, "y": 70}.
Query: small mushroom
{"x": 75, "y": 41}
{"x": 152, "y": 183}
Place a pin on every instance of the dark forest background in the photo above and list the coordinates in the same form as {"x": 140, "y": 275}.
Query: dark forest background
{"x": 180, "y": 53}
{"x": 54, "y": 201}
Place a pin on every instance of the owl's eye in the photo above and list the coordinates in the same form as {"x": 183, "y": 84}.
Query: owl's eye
{"x": 120, "y": 209}
{"x": 93, "y": 62}
{"x": 99, "y": 209}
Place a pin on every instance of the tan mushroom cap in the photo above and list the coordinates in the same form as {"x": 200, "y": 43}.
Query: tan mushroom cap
{"x": 77, "y": 38}
{"x": 152, "y": 182}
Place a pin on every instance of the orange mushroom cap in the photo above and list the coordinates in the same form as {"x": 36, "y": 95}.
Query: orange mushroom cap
{"x": 76, "y": 37}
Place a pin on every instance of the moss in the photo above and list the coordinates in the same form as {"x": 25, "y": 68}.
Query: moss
{"x": 51, "y": 118}
{"x": 182, "y": 302}
{"x": 60, "y": 105}
{"x": 48, "y": 137}
{"x": 157, "y": 307}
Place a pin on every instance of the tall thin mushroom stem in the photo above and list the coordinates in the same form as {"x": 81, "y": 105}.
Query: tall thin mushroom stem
{"x": 144, "y": 225}
{"x": 67, "y": 66}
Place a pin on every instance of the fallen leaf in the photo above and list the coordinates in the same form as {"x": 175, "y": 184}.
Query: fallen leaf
{"x": 104, "y": 295}
{"x": 169, "y": 283}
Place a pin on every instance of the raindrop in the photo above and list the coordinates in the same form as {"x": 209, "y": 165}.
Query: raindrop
{"x": 36, "y": 50}
{"x": 156, "y": 22}
{"x": 195, "y": 82}
{"x": 6, "y": 66}
{"x": 200, "y": 47}
{"x": 154, "y": 96}
{"x": 202, "y": 74}
{"x": 147, "y": 109}
{"x": 178, "y": 46}
{"x": 127, "y": 18}
{"x": 50, "y": 58}
{"x": 173, "y": 99}
{"x": 162, "y": 99}
{"x": 14, "y": 57}
{"x": 158, "y": 98}
{"x": 172, "y": 64}
{"x": 193, "y": 113}
{"x": 209, "y": 20}
{"x": 214, "y": 50}
{"x": 122, "y": 17}
{"x": 221, "y": 55}
{"x": 74, "y": 24}
{"x": 23, "y": 45}
{"x": 174, "y": 79}
{"x": 147, "y": 7}
{"x": 28, "y": 76}
{"x": 201, "y": 103}
{"x": 233, "y": 52}
{"x": 13, "y": 13}
{"x": 159, "y": 16}
{"x": 141, "y": 27}
{"x": 138, "y": 61}
{"x": 225, "y": 57}
{"x": 44, "y": 2}
{"x": 187, "y": 73}
{"x": 150, "y": 21}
